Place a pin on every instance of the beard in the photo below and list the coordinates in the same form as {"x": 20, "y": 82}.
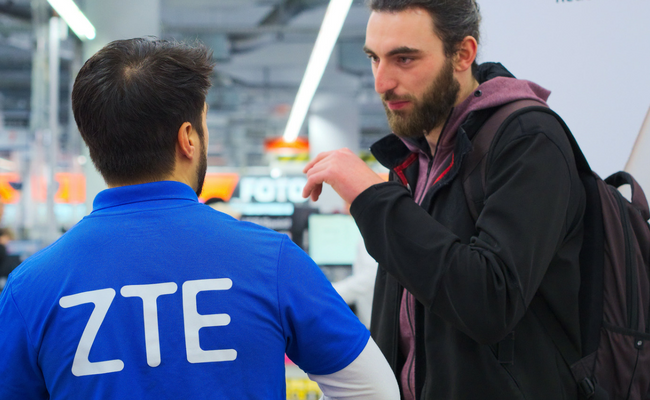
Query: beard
{"x": 428, "y": 113}
{"x": 201, "y": 169}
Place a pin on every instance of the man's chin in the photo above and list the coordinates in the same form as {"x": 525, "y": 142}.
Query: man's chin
{"x": 401, "y": 129}
{"x": 397, "y": 121}
{"x": 402, "y": 113}
{"x": 409, "y": 135}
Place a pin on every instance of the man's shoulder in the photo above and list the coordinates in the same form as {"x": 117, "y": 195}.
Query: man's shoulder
{"x": 530, "y": 123}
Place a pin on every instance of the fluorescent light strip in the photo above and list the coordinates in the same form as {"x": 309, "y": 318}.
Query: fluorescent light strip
{"x": 7, "y": 165}
{"x": 75, "y": 19}
{"x": 335, "y": 15}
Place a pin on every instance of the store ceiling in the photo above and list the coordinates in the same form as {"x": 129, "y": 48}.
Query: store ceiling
{"x": 261, "y": 48}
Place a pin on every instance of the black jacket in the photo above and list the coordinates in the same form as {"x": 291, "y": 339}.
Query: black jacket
{"x": 473, "y": 281}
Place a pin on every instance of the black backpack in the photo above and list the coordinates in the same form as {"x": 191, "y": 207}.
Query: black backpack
{"x": 614, "y": 266}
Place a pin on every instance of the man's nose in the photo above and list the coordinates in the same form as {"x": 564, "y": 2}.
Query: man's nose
{"x": 384, "y": 79}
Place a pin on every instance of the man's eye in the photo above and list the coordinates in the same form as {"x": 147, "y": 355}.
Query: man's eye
{"x": 372, "y": 58}
{"x": 404, "y": 60}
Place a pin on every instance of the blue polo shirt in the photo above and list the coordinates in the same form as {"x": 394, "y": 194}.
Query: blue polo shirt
{"x": 155, "y": 295}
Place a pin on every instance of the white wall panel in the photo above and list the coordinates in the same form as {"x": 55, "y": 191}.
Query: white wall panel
{"x": 592, "y": 54}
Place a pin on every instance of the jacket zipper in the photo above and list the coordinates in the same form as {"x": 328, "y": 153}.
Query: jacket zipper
{"x": 395, "y": 356}
{"x": 408, "y": 311}
{"x": 412, "y": 363}
{"x": 432, "y": 159}
{"x": 424, "y": 192}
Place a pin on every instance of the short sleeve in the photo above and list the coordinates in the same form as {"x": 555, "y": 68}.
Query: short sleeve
{"x": 20, "y": 376}
{"x": 323, "y": 335}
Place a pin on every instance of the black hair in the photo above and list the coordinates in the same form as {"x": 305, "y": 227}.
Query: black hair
{"x": 214, "y": 200}
{"x": 453, "y": 20}
{"x": 130, "y": 99}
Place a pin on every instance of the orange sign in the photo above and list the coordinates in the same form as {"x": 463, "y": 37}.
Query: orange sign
{"x": 9, "y": 195}
{"x": 71, "y": 188}
{"x": 279, "y": 145}
{"x": 39, "y": 188}
{"x": 221, "y": 185}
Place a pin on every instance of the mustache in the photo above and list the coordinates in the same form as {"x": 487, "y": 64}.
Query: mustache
{"x": 391, "y": 96}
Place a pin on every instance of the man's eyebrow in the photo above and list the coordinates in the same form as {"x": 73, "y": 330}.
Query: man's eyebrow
{"x": 395, "y": 51}
{"x": 403, "y": 50}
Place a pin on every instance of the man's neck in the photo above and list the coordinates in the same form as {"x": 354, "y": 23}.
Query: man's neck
{"x": 434, "y": 134}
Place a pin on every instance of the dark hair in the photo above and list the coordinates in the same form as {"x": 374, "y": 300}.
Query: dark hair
{"x": 214, "y": 200}
{"x": 453, "y": 20}
{"x": 130, "y": 99}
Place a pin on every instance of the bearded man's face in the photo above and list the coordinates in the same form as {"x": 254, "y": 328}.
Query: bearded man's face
{"x": 427, "y": 112}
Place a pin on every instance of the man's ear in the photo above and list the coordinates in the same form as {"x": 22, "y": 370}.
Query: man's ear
{"x": 466, "y": 54}
{"x": 185, "y": 140}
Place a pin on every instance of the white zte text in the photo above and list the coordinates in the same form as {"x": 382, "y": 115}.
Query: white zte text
{"x": 193, "y": 322}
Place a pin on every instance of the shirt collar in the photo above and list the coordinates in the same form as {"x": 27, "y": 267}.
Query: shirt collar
{"x": 163, "y": 190}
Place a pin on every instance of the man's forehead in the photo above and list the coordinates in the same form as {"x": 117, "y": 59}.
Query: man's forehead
{"x": 410, "y": 15}
{"x": 405, "y": 31}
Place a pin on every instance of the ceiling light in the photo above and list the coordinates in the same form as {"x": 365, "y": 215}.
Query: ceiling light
{"x": 7, "y": 165}
{"x": 335, "y": 15}
{"x": 75, "y": 19}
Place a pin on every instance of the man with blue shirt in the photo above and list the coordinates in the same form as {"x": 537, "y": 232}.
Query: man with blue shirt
{"x": 155, "y": 295}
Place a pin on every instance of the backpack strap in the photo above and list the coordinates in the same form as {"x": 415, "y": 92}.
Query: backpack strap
{"x": 473, "y": 178}
{"x": 474, "y": 181}
{"x": 639, "y": 200}
{"x": 476, "y": 158}
{"x": 588, "y": 389}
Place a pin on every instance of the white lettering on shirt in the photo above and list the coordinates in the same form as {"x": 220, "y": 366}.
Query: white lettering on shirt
{"x": 102, "y": 300}
{"x": 193, "y": 322}
{"x": 149, "y": 294}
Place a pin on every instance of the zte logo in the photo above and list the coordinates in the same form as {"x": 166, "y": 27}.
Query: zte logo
{"x": 193, "y": 322}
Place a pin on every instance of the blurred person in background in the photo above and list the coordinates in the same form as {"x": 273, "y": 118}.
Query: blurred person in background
{"x": 357, "y": 288}
{"x": 7, "y": 261}
{"x": 219, "y": 204}
{"x": 155, "y": 295}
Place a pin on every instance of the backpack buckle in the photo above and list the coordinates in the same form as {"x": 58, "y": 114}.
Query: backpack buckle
{"x": 587, "y": 388}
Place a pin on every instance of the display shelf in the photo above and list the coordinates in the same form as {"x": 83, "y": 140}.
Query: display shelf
{"x": 299, "y": 386}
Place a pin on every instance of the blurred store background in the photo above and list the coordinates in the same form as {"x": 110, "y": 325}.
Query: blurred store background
{"x": 590, "y": 53}
{"x": 261, "y": 49}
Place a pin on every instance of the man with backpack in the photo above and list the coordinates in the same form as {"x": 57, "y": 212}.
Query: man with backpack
{"x": 460, "y": 264}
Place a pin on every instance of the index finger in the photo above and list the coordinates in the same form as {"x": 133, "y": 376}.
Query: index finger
{"x": 313, "y": 162}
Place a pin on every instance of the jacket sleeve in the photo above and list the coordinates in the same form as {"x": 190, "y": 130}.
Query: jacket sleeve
{"x": 482, "y": 287}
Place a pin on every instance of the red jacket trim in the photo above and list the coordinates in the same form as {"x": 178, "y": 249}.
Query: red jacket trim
{"x": 399, "y": 170}
{"x": 446, "y": 171}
